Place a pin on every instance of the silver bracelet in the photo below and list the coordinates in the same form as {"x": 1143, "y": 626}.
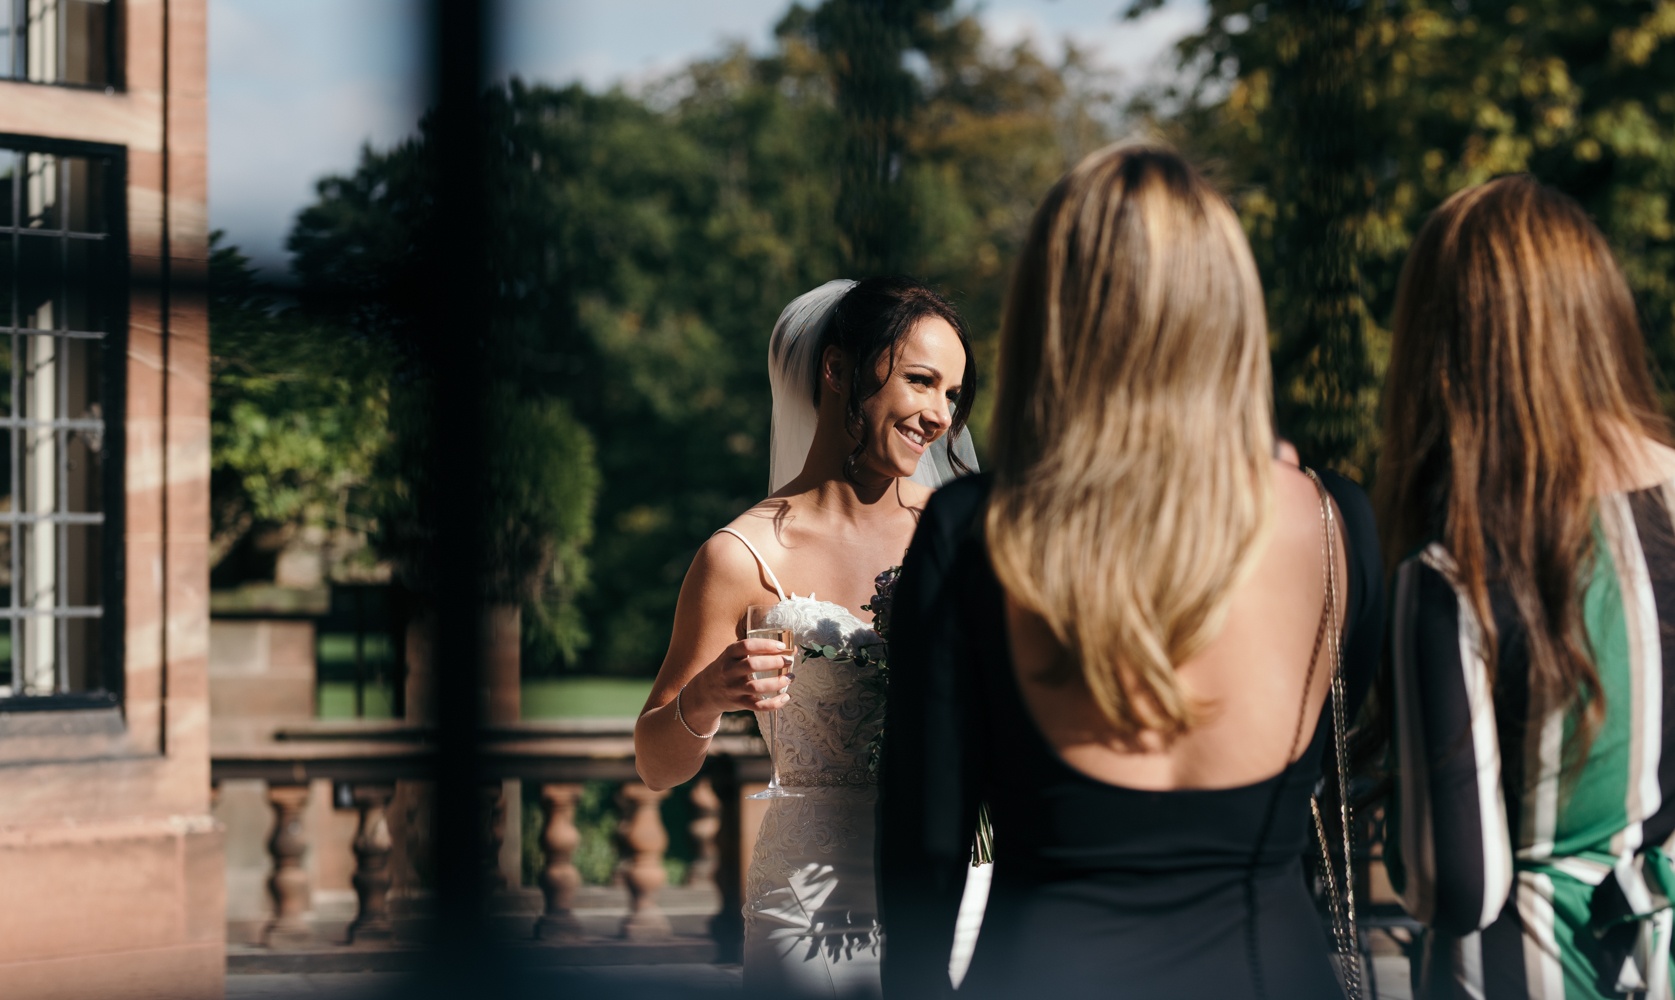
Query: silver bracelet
{"x": 682, "y": 718}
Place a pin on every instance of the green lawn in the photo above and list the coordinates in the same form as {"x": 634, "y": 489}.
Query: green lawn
{"x": 337, "y": 700}
{"x": 585, "y": 697}
{"x": 569, "y": 698}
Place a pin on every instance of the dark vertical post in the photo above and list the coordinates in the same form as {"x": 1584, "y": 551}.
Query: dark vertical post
{"x": 398, "y": 612}
{"x": 876, "y": 96}
{"x": 727, "y": 926}
{"x": 1326, "y": 393}
{"x": 360, "y": 653}
{"x": 455, "y": 343}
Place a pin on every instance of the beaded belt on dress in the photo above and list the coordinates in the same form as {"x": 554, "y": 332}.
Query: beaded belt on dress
{"x": 853, "y": 778}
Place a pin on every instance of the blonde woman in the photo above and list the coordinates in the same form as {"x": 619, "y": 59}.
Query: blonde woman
{"x": 1115, "y": 639}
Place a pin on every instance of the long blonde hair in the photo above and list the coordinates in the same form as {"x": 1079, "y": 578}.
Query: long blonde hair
{"x": 1133, "y": 427}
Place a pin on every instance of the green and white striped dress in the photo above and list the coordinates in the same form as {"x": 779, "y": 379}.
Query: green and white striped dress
{"x": 1540, "y": 875}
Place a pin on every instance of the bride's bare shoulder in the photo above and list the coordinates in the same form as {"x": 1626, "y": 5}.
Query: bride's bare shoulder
{"x": 725, "y": 563}
{"x": 765, "y": 526}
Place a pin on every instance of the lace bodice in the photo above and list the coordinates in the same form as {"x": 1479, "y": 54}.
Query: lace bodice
{"x": 811, "y": 909}
{"x": 824, "y": 731}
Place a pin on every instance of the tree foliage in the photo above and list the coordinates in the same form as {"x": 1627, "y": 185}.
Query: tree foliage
{"x": 299, "y": 413}
{"x": 645, "y": 243}
{"x": 1440, "y": 95}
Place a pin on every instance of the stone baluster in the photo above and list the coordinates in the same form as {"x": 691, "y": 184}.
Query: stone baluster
{"x": 494, "y": 834}
{"x": 642, "y": 841}
{"x": 372, "y": 847}
{"x": 705, "y": 825}
{"x": 289, "y": 883}
{"x": 559, "y": 839}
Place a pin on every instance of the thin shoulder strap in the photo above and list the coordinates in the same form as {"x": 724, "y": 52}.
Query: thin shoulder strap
{"x": 1326, "y": 631}
{"x": 1342, "y": 903}
{"x": 759, "y": 561}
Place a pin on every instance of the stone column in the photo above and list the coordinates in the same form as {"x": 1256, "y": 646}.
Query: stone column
{"x": 559, "y": 839}
{"x": 642, "y": 840}
{"x": 502, "y": 647}
{"x": 289, "y": 883}
{"x": 705, "y": 826}
{"x": 372, "y": 846}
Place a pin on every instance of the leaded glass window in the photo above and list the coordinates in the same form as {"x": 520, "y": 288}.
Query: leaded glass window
{"x": 59, "y": 41}
{"x": 59, "y": 228}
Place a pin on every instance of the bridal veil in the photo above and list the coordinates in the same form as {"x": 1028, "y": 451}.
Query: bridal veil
{"x": 793, "y": 359}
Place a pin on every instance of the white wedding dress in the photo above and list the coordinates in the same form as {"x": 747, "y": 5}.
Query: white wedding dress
{"x": 810, "y": 908}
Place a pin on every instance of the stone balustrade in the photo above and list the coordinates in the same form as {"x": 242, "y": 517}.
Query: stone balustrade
{"x": 368, "y": 767}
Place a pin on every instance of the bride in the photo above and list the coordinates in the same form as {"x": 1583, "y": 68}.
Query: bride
{"x": 872, "y": 383}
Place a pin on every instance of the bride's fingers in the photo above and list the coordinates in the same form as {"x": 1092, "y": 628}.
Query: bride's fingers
{"x": 768, "y": 685}
{"x": 763, "y": 664}
{"x": 757, "y": 647}
{"x": 773, "y": 704}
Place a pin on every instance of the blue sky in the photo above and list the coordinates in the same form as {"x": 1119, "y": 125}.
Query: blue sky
{"x": 297, "y": 86}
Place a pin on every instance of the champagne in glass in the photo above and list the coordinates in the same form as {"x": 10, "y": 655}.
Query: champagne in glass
{"x": 756, "y": 627}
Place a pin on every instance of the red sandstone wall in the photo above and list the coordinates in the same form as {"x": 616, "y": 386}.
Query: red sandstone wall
{"x": 113, "y": 868}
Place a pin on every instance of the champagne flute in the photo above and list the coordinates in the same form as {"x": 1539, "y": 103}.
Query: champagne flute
{"x": 756, "y": 627}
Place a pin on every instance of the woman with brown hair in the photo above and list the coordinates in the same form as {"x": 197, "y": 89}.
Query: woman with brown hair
{"x": 1122, "y": 639}
{"x": 1525, "y": 489}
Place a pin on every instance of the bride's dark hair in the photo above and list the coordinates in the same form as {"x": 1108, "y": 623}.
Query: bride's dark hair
{"x": 868, "y": 324}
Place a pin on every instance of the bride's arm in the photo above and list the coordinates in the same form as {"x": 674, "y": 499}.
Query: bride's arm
{"x": 707, "y": 658}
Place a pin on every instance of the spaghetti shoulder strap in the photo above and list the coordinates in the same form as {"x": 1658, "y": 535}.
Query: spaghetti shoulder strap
{"x": 759, "y": 561}
{"x": 1325, "y": 631}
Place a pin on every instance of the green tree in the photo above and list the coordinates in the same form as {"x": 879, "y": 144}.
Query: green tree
{"x": 646, "y": 243}
{"x": 299, "y": 413}
{"x": 863, "y": 42}
{"x": 1445, "y": 95}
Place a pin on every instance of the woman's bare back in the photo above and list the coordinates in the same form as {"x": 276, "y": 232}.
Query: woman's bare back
{"x": 1247, "y": 685}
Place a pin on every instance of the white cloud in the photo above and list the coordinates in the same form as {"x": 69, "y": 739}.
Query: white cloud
{"x": 1136, "y": 49}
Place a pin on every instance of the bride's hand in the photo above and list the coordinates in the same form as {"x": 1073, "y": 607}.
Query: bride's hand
{"x": 726, "y": 685}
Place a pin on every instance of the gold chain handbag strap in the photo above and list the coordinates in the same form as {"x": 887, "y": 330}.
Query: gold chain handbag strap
{"x": 1342, "y": 904}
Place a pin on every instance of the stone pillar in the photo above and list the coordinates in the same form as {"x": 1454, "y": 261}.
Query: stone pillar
{"x": 420, "y": 696}
{"x": 705, "y": 825}
{"x": 289, "y": 883}
{"x": 502, "y": 648}
{"x": 642, "y": 840}
{"x": 494, "y": 819}
{"x": 372, "y": 865}
{"x": 559, "y": 839}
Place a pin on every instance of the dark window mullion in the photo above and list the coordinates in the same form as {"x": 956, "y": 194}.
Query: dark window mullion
{"x": 61, "y": 407}
{"x": 15, "y": 532}
{"x": 73, "y": 234}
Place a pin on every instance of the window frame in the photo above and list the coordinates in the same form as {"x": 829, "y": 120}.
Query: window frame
{"x": 112, "y": 668}
{"x": 116, "y": 76}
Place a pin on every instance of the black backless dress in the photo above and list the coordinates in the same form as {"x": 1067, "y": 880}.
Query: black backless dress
{"x": 1099, "y": 890}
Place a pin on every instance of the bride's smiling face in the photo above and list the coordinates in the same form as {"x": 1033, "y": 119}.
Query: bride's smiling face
{"x": 914, "y": 404}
